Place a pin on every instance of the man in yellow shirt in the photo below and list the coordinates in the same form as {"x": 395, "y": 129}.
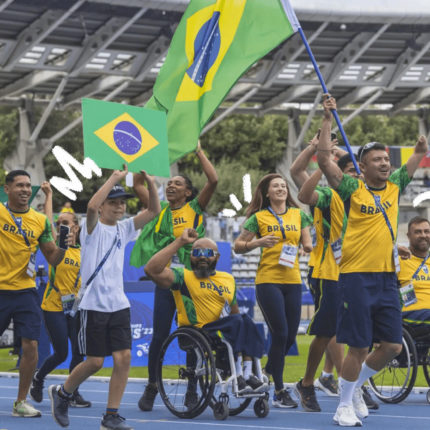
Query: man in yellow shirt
{"x": 416, "y": 271}
{"x": 369, "y": 307}
{"x": 201, "y": 295}
{"x": 22, "y": 232}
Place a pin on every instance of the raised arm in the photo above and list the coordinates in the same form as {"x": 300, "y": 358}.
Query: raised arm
{"x": 307, "y": 193}
{"x": 156, "y": 268}
{"x": 47, "y": 206}
{"x": 153, "y": 203}
{"x": 139, "y": 188}
{"x": 421, "y": 149}
{"x": 327, "y": 164}
{"x": 210, "y": 172}
{"x": 52, "y": 253}
{"x": 298, "y": 168}
{"x": 100, "y": 196}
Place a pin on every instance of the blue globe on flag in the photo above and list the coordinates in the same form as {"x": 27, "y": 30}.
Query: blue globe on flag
{"x": 127, "y": 137}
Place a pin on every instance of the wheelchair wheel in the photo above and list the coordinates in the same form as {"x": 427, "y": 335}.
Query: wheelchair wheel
{"x": 220, "y": 411}
{"x": 236, "y": 405}
{"x": 395, "y": 381}
{"x": 426, "y": 367}
{"x": 186, "y": 373}
{"x": 261, "y": 408}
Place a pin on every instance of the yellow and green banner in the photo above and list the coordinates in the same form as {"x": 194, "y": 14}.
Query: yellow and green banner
{"x": 215, "y": 43}
{"x": 115, "y": 133}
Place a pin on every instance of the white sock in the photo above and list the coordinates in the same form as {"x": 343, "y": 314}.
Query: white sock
{"x": 325, "y": 374}
{"x": 239, "y": 371}
{"x": 365, "y": 374}
{"x": 247, "y": 369}
{"x": 346, "y": 391}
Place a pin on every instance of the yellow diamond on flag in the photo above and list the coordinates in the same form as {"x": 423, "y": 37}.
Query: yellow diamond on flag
{"x": 126, "y": 137}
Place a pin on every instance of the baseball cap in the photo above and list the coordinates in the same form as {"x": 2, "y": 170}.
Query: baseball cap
{"x": 118, "y": 191}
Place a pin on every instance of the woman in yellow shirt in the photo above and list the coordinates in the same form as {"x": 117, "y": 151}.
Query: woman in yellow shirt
{"x": 63, "y": 286}
{"x": 280, "y": 226}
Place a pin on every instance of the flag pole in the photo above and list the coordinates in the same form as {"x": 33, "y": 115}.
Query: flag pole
{"x": 324, "y": 87}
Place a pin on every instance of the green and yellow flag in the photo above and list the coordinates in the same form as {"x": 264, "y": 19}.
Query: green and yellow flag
{"x": 115, "y": 133}
{"x": 214, "y": 44}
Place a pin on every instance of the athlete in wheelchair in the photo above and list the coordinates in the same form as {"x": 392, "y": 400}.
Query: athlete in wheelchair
{"x": 394, "y": 383}
{"x": 209, "y": 353}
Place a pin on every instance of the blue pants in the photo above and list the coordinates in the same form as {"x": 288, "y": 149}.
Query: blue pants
{"x": 240, "y": 332}
{"x": 281, "y": 307}
{"x": 164, "y": 310}
{"x": 60, "y": 328}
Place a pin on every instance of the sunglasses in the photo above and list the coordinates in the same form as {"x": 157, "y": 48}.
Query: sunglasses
{"x": 367, "y": 147}
{"x": 203, "y": 252}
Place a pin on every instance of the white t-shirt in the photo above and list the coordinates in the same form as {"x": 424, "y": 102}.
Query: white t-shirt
{"x": 106, "y": 291}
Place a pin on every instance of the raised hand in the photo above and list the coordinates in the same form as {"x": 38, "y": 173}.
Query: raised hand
{"x": 46, "y": 188}
{"x": 189, "y": 235}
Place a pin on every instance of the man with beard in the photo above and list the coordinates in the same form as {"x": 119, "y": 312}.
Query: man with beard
{"x": 368, "y": 307}
{"x": 201, "y": 295}
{"x": 415, "y": 272}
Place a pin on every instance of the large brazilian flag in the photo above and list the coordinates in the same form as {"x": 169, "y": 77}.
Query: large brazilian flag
{"x": 214, "y": 44}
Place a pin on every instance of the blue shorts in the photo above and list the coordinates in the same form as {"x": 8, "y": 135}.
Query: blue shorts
{"x": 369, "y": 309}
{"x": 324, "y": 320}
{"x": 312, "y": 283}
{"x": 420, "y": 316}
{"x": 23, "y": 307}
{"x": 240, "y": 332}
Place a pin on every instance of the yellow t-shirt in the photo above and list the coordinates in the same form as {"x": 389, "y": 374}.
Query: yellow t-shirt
{"x": 200, "y": 301}
{"x": 421, "y": 281}
{"x": 331, "y": 206}
{"x": 64, "y": 277}
{"x": 188, "y": 216}
{"x": 263, "y": 223}
{"x": 14, "y": 252}
{"x": 368, "y": 245}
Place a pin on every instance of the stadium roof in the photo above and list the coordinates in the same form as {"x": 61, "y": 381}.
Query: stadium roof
{"x": 373, "y": 54}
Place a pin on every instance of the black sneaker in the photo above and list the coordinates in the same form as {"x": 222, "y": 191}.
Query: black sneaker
{"x": 307, "y": 397}
{"x": 283, "y": 400}
{"x": 242, "y": 387}
{"x": 191, "y": 399}
{"x": 77, "y": 401}
{"x": 59, "y": 406}
{"x": 114, "y": 422}
{"x": 36, "y": 390}
{"x": 370, "y": 403}
{"x": 146, "y": 402}
{"x": 257, "y": 385}
{"x": 327, "y": 384}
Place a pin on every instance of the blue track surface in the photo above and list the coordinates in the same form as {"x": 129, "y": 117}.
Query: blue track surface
{"x": 413, "y": 413}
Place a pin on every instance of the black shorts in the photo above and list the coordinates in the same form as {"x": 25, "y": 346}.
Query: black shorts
{"x": 101, "y": 333}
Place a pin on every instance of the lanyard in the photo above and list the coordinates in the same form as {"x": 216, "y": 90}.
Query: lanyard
{"x": 279, "y": 219}
{"x": 104, "y": 258}
{"x": 22, "y": 232}
{"x": 420, "y": 267}
{"x": 381, "y": 208}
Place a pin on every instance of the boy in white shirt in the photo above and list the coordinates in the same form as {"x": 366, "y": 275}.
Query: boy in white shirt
{"x": 104, "y": 308}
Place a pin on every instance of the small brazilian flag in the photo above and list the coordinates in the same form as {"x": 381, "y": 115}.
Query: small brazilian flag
{"x": 116, "y": 133}
{"x": 214, "y": 44}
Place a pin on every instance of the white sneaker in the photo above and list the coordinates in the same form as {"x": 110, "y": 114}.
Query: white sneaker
{"x": 25, "y": 410}
{"x": 359, "y": 404}
{"x": 345, "y": 416}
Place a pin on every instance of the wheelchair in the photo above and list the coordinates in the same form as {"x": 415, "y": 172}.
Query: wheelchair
{"x": 196, "y": 370}
{"x": 396, "y": 380}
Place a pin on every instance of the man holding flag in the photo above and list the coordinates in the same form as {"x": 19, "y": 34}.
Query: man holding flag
{"x": 369, "y": 305}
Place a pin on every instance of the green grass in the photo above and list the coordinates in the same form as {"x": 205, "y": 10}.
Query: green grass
{"x": 294, "y": 365}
